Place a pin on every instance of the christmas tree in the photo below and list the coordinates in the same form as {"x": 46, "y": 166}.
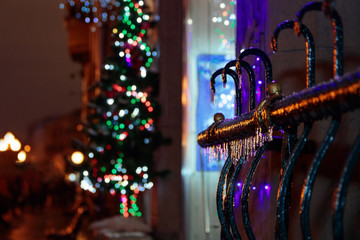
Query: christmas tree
{"x": 121, "y": 128}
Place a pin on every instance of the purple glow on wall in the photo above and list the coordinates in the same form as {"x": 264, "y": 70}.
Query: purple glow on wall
{"x": 250, "y": 30}
{"x": 251, "y": 20}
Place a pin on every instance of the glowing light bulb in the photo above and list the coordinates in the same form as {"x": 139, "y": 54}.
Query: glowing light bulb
{"x": 27, "y": 148}
{"x": 3, "y": 145}
{"x": 21, "y": 156}
{"x": 9, "y": 137}
{"x": 15, "y": 145}
{"x": 77, "y": 157}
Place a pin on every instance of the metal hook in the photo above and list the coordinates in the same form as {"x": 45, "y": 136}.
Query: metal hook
{"x": 330, "y": 12}
{"x": 251, "y": 77}
{"x": 310, "y": 48}
{"x": 283, "y": 198}
{"x": 262, "y": 56}
{"x": 237, "y": 89}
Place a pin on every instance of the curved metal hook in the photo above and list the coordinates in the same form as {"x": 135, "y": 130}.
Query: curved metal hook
{"x": 234, "y": 75}
{"x": 310, "y": 179}
{"x": 285, "y": 183}
{"x": 337, "y": 30}
{"x": 251, "y": 76}
{"x": 338, "y": 210}
{"x": 225, "y": 172}
{"x": 310, "y": 48}
{"x": 246, "y": 190}
{"x": 329, "y": 11}
{"x": 262, "y": 55}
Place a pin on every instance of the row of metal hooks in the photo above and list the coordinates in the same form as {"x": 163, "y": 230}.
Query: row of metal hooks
{"x": 249, "y": 133}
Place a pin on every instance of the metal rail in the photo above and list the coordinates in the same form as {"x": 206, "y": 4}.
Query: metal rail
{"x": 248, "y": 134}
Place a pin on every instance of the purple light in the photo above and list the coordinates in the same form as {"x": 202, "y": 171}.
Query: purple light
{"x": 254, "y": 188}
{"x": 253, "y": 66}
{"x": 260, "y": 82}
{"x": 257, "y": 59}
{"x": 267, "y": 187}
{"x": 239, "y": 184}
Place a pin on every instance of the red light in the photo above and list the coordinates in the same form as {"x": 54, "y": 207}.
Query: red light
{"x": 117, "y": 87}
{"x": 147, "y": 125}
{"x": 147, "y": 103}
{"x": 141, "y": 128}
{"x": 150, "y": 109}
{"x": 108, "y": 147}
{"x": 151, "y": 121}
{"x": 127, "y": 50}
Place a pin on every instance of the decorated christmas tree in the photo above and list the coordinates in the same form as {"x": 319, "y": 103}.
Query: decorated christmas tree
{"x": 121, "y": 128}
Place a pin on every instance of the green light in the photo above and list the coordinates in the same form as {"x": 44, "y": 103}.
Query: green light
{"x": 124, "y": 32}
{"x": 147, "y": 64}
{"x": 121, "y": 143}
{"x": 116, "y": 165}
{"x": 113, "y": 171}
{"x": 116, "y": 127}
{"x": 138, "y": 100}
{"x": 143, "y": 31}
{"x": 131, "y": 5}
{"x": 131, "y": 211}
{"x": 133, "y": 101}
{"x": 103, "y": 169}
{"x": 128, "y": 22}
{"x": 134, "y": 38}
{"x": 129, "y": 35}
{"x": 121, "y": 211}
{"x": 150, "y": 60}
{"x": 217, "y": 30}
{"x": 138, "y": 214}
{"x": 128, "y": 88}
{"x": 120, "y": 160}
{"x": 147, "y": 49}
{"x": 108, "y": 122}
{"x": 122, "y": 126}
{"x": 132, "y": 26}
{"x": 143, "y": 122}
{"x": 121, "y": 205}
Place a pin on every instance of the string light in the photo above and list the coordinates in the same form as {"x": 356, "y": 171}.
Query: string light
{"x": 92, "y": 11}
